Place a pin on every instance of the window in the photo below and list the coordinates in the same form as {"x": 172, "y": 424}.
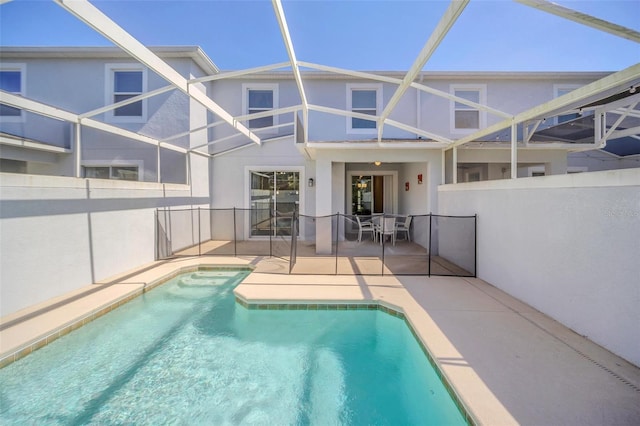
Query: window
{"x": 260, "y": 101}
{"x": 111, "y": 172}
{"x": 127, "y": 84}
{"x": 363, "y": 102}
{"x": 560, "y": 90}
{"x": 260, "y": 98}
{"x": 125, "y": 81}
{"x": 474, "y": 177}
{"x": 12, "y": 166}
{"x": 363, "y": 99}
{"x": 12, "y": 81}
{"x": 466, "y": 118}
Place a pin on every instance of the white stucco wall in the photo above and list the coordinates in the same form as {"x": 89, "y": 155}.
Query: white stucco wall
{"x": 506, "y": 92}
{"x": 59, "y": 233}
{"x": 567, "y": 245}
{"x": 229, "y": 187}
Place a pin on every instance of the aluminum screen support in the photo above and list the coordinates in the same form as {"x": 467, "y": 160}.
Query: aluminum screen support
{"x": 583, "y": 18}
{"x": 102, "y": 24}
{"x": 284, "y": 29}
{"x": 444, "y": 25}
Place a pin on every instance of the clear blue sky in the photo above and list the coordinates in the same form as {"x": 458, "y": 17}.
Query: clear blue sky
{"x": 493, "y": 35}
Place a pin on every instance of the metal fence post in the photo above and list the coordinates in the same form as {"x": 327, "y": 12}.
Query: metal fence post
{"x": 337, "y": 238}
{"x": 475, "y": 245}
{"x": 199, "y": 235}
{"x": 430, "y": 230}
{"x": 272, "y": 216}
{"x": 294, "y": 241}
{"x": 235, "y": 238}
{"x": 383, "y": 243}
{"x": 157, "y": 234}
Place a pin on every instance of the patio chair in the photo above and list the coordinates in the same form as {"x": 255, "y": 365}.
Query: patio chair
{"x": 365, "y": 226}
{"x": 404, "y": 227}
{"x": 388, "y": 227}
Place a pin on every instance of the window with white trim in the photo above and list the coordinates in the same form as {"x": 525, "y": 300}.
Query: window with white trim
{"x": 259, "y": 98}
{"x": 561, "y": 90}
{"x": 464, "y": 117}
{"x": 125, "y": 81}
{"x": 123, "y": 172}
{"x": 363, "y": 99}
{"x": 12, "y": 81}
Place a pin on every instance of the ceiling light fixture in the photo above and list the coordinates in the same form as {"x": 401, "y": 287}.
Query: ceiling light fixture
{"x": 377, "y": 163}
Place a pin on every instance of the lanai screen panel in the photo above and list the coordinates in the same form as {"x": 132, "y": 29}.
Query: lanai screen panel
{"x": 228, "y": 145}
{"x": 36, "y": 128}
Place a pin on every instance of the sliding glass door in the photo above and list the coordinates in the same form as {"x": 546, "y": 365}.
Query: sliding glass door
{"x": 275, "y": 195}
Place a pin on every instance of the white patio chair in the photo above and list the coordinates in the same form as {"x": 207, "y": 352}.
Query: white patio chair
{"x": 404, "y": 227}
{"x": 365, "y": 226}
{"x": 388, "y": 227}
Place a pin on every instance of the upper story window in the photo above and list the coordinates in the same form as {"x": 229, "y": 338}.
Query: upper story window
{"x": 125, "y": 81}
{"x": 12, "y": 81}
{"x": 467, "y": 118}
{"x": 363, "y": 99}
{"x": 560, "y": 90}
{"x": 260, "y": 98}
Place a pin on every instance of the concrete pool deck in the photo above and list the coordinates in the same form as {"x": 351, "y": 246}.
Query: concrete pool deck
{"x": 508, "y": 363}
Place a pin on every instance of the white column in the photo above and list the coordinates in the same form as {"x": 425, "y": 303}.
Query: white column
{"x": 454, "y": 166}
{"x": 323, "y": 206}
{"x": 78, "y": 149}
{"x": 158, "y": 177}
{"x": 557, "y": 166}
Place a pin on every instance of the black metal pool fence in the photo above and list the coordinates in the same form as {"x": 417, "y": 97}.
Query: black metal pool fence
{"x": 337, "y": 244}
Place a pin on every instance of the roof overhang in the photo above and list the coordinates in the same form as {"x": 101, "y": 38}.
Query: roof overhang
{"x": 194, "y": 53}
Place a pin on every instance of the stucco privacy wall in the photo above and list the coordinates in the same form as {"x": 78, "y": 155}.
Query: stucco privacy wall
{"x": 59, "y": 233}
{"x": 567, "y": 245}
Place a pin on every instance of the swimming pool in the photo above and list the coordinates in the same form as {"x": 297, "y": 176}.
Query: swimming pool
{"x": 187, "y": 353}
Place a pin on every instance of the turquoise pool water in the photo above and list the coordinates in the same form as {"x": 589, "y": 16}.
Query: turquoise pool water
{"x": 186, "y": 353}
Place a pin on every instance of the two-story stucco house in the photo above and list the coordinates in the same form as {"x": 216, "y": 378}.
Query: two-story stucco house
{"x": 320, "y": 156}
{"x": 427, "y": 118}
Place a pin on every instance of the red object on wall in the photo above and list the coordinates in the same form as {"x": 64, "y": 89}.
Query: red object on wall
{"x": 406, "y": 186}
{"x": 420, "y": 179}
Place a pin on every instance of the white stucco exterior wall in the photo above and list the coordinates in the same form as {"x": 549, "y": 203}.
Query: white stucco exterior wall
{"x": 567, "y": 245}
{"x": 61, "y": 233}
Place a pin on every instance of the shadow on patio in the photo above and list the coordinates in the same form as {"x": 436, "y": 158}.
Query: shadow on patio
{"x": 347, "y": 257}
